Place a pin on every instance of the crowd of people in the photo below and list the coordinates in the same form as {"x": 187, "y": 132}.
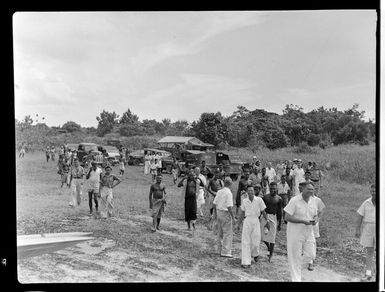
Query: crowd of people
{"x": 263, "y": 199}
{"x": 95, "y": 176}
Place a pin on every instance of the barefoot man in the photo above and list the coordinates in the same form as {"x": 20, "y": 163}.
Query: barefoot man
{"x": 273, "y": 210}
{"x": 157, "y": 200}
{"x": 366, "y": 230}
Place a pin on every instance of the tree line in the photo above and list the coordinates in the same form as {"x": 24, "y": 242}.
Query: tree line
{"x": 243, "y": 128}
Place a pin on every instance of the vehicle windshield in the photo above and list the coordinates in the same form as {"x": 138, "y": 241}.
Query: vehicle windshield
{"x": 111, "y": 149}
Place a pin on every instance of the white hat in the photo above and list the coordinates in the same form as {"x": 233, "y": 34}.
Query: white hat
{"x": 254, "y": 156}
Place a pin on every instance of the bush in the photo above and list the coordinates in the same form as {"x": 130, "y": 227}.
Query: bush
{"x": 303, "y": 147}
{"x": 313, "y": 139}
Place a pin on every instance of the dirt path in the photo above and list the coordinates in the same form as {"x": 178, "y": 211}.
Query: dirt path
{"x": 129, "y": 252}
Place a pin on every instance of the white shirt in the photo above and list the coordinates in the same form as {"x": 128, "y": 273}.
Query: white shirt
{"x": 283, "y": 188}
{"x": 271, "y": 174}
{"x": 320, "y": 205}
{"x": 223, "y": 199}
{"x": 368, "y": 211}
{"x": 95, "y": 175}
{"x": 298, "y": 208}
{"x": 253, "y": 208}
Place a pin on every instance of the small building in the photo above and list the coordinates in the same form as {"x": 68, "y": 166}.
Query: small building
{"x": 183, "y": 143}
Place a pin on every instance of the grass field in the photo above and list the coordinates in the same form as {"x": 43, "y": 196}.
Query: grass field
{"x": 43, "y": 207}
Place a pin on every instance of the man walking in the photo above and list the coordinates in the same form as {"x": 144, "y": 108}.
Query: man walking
{"x": 251, "y": 208}
{"x": 366, "y": 230}
{"x": 273, "y": 210}
{"x": 157, "y": 199}
{"x": 301, "y": 215}
{"x": 223, "y": 213}
{"x": 93, "y": 177}
{"x": 106, "y": 185}
{"x": 202, "y": 187}
{"x": 76, "y": 183}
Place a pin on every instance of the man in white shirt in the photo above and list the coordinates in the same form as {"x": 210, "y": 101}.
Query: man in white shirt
{"x": 298, "y": 176}
{"x": 251, "y": 208}
{"x": 270, "y": 172}
{"x": 320, "y": 207}
{"x": 366, "y": 229}
{"x": 301, "y": 215}
{"x": 93, "y": 179}
{"x": 223, "y": 203}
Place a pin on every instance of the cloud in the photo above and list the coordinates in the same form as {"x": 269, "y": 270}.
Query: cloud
{"x": 209, "y": 25}
{"x": 199, "y": 93}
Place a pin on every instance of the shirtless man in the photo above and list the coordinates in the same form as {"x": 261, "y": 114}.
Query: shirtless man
{"x": 273, "y": 210}
{"x": 157, "y": 198}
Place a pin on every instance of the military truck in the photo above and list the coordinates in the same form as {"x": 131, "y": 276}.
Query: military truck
{"x": 230, "y": 163}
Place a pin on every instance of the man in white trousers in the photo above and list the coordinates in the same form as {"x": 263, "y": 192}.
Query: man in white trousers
{"x": 301, "y": 215}
{"x": 251, "y": 208}
{"x": 76, "y": 183}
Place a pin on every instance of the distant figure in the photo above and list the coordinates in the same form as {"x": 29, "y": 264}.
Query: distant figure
{"x": 190, "y": 192}
{"x": 52, "y": 153}
{"x": 270, "y": 172}
{"x": 22, "y": 152}
{"x": 64, "y": 170}
{"x": 107, "y": 184}
{"x": 265, "y": 182}
{"x": 147, "y": 162}
{"x": 283, "y": 192}
{"x": 175, "y": 170}
{"x": 154, "y": 169}
{"x": 204, "y": 169}
{"x": 121, "y": 167}
{"x": 366, "y": 230}
{"x": 48, "y": 153}
{"x": 157, "y": 199}
{"x": 242, "y": 187}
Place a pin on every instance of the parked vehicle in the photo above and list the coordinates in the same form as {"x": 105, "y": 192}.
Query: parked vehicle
{"x": 111, "y": 152}
{"x": 230, "y": 163}
{"x": 86, "y": 150}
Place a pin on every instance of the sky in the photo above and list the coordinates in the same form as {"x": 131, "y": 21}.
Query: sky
{"x": 70, "y": 66}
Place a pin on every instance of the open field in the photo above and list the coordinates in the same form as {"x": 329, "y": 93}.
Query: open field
{"x": 125, "y": 250}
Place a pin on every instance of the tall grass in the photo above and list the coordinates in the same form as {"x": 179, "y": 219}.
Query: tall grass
{"x": 350, "y": 163}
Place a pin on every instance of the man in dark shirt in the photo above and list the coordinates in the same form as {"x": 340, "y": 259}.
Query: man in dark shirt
{"x": 273, "y": 210}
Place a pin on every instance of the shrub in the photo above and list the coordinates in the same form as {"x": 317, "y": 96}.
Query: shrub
{"x": 303, "y": 147}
